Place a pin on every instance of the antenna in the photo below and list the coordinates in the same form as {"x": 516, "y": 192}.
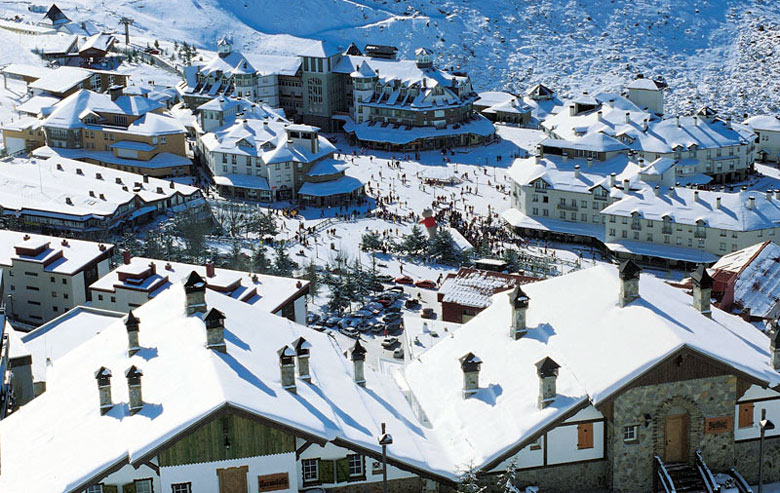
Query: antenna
{"x": 127, "y": 22}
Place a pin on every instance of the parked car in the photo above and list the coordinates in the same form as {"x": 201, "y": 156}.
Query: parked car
{"x": 385, "y": 302}
{"x": 331, "y": 321}
{"x": 376, "y": 287}
{"x": 412, "y": 303}
{"x": 395, "y": 325}
{"x": 398, "y": 353}
{"x": 385, "y": 278}
{"x": 404, "y": 280}
{"x": 391, "y": 316}
{"x": 393, "y": 308}
{"x": 350, "y": 332}
{"x": 378, "y": 328}
{"x": 389, "y": 342}
{"x": 364, "y": 313}
{"x": 312, "y": 318}
{"x": 397, "y": 289}
{"x": 426, "y": 284}
{"x": 428, "y": 313}
{"x": 318, "y": 328}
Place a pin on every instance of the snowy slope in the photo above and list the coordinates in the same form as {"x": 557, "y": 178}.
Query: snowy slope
{"x": 719, "y": 52}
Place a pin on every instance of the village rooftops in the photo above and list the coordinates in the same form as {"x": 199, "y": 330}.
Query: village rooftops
{"x": 646, "y": 84}
{"x": 560, "y": 174}
{"x": 406, "y": 72}
{"x": 71, "y": 112}
{"x": 63, "y": 79}
{"x": 185, "y": 383}
{"x": 737, "y": 211}
{"x": 99, "y": 42}
{"x": 26, "y": 70}
{"x": 400, "y": 134}
{"x": 769, "y": 123}
{"x": 232, "y": 64}
{"x": 55, "y": 254}
{"x": 321, "y": 49}
{"x": 575, "y": 320}
{"x": 475, "y": 288}
{"x": 756, "y": 286}
{"x": 38, "y": 105}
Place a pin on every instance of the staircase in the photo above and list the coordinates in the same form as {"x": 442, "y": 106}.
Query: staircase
{"x": 685, "y": 477}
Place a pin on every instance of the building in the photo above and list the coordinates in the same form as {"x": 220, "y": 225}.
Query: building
{"x": 271, "y": 159}
{"x": 129, "y": 133}
{"x": 647, "y": 94}
{"x": 469, "y": 291}
{"x": 65, "y": 196}
{"x": 746, "y": 282}
{"x": 54, "y": 18}
{"x": 95, "y": 48}
{"x": 583, "y": 379}
{"x": 23, "y": 135}
{"x": 16, "y": 384}
{"x": 200, "y": 392}
{"x": 767, "y": 130}
{"x": 222, "y": 112}
{"x": 45, "y": 276}
{"x": 66, "y": 81}
{"x": 503, "y": 107}
{"x": 138, "y": 280}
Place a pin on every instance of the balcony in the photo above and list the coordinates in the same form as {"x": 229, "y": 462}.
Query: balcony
{"x": 567, "y": 207}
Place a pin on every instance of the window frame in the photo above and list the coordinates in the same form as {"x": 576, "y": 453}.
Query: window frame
{"x": 631, "y": 433}
{"x": 316, "y": 478}
{"x": 187, "y": 486}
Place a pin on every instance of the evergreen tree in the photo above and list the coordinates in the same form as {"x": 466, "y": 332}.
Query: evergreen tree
{"x": 371, "y": 242}
{"x": 415, "y": 242}
{"x": 470, "y": 482}
{"x": 260, "y": 262}
{"x": 263, "y": 223}
{"x": 236, "y": 259}
{"x": 313, "y": 277}
{"x": 512, "y": 259}
{"x": 485, "y": 251}
{"x": 442, "y": 248}
{"x": 283, "y": 264}
{"x": 505, "y": 482}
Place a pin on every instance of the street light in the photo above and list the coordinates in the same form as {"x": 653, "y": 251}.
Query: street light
{"x": 384, "y": 440}
{"x": 765, "y": 425}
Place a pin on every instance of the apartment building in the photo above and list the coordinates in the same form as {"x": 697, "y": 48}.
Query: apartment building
{"x": 45, "y": 276}
{"x": 129, "y": 133}
{"x": 767, "y": 130}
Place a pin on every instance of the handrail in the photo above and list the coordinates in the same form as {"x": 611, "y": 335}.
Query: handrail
{"x": 742, "y": 485}
{"x": 706, "y": 474}
{"x": 663, "y": 475}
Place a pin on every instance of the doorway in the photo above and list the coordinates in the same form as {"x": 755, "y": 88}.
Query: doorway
{"x": 233, "y": 479}
{"x": 676, "y": 438}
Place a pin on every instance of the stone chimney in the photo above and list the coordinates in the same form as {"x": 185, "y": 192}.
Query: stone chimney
{"x": 470, "y": 365}
{"x": 287, "y": 366}
{"x": 576, "y": 171}
{"x": 358, "y": 359}
{"x": 547, "y": 369}
{"x": 103, "y": 377}
{"x": 195, "y": 288}
{"x": 774, "y": 349}
{"x": 215, "y": 330}
{"x": 702, "y": 290}
{"x": 133, "y": 376}
{"x": 302, "y": 348}
{"x": 519, "y": 301}
{"x": 628, "y": 272}
{"x": 645, "y": 124}
{"x": 131, "y": 324}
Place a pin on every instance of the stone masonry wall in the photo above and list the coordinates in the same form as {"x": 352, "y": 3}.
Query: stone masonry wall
{"x": 393, "y": 486}
{"x": 580, "y": 476}
{"x": 746, "y": 460}
{"x": 631, "y": 464}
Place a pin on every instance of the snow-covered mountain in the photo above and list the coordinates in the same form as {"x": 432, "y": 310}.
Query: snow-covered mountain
{"x": 717, "y": 52}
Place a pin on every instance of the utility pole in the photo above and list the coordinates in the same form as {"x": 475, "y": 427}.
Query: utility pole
{"x": 127, "y": 21}
{"x": 384, "y": 440}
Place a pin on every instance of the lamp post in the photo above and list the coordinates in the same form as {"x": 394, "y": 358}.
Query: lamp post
{"x": 384, "y": 440}
{"x": 765, "y": 425}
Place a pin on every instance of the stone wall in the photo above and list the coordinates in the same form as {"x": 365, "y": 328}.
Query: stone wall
{"x": 393, "y": 486}
{"x": 746, "y": 460}
{"x": 647, "y": 406}
{"x": 578, "y": 476}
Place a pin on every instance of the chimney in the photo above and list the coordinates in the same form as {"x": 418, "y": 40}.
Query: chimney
{"x": 774, "y": 349}
{"x": 358, "y": 358}
{"x": 645, "y": 124}
{"x": 210, "y": 271}
{"x": 677, "y": 120}
{"x": 195, "y": 288}
{"x": 98, "y": 176}
{"x": 600, "y": 116}
{"x": 769, "y": 195}
{"x": 777, "y": 194}
{"x": 126, "y": 257}
{"x": 628, "y": 117}
{"x": 118, "y": 180}
{"x": 215, "y": 330}
{"x": 103, "y": 377}
{"x": 702, "y": 290}
{"x": 519, "y": 301}
{"x": 133, "y": 376}
{"x": 146, "y": 178}
{"x": 657, "y": 190}
{"x": 470, "y": 365}
{"x": 115, "y": 91}
{"x": 302, "y": 348}
{"x": 565, "y": 156}
{"x": 728, "y": 121}
{"x": 626, "y": 185}
{"x": 751, "y": 203}
{"x": 287, "y": 367}
{"x": 717, "y": 202}
{"x": 612, "y": 178}
{"x": 131, "y": 324}
{"x": 572, "y": 110}
{"x": 695, "y": 121}
{"x": 628, "y": 272}
{"x": 540, "y": 150}
{"x": 695, "y": 195}
{"x": 547, "y": 369}
{"x": 576, "y": 171}
{"x": 590, "y": 162}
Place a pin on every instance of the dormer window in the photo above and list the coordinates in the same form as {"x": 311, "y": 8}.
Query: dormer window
{"x": 540, "y": 185}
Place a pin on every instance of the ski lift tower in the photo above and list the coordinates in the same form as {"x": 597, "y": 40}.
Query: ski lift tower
{"x": 127, "y": 21}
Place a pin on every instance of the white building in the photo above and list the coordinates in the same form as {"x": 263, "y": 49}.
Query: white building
{"x": 45, "y": 276}
{"x": 647, "y": 94}
{"x": 221, "y": 112}
{"x": 767, "y": 130}
{"x": 138, "y": 280}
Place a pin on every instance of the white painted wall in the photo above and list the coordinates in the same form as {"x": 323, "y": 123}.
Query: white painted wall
{"x": 772, "y": 412}
{"x": 129, "y": 473}
{"x": 562, "y": 444}
{"x": 333, "y": 452}
{"x": 14, "y": 144}
{"x": 300, "y": 310}
{"x": 204, "y": 476}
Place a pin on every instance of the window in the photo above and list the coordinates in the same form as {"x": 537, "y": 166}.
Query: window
{"x": 100, "y": 297}
{"x": 584, "y": 436}
{"x": 64, "y": 281}
{"x": 537, "y": 445}
{"x": 355, "y": 465}
{"x": 181, "y": 488}
{"x": 32, "y": 274}
{"x": 745, "y": 419}
{"x": 65, "y": 295}
{"x": 309, "y": 467}
{"x": 96, "y": 488}
{"x": 143, "y": 486}
{"x": 631, "y": 433}
{"x": 51, "y": 278}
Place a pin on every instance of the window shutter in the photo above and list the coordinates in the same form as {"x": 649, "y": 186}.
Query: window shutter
{"x": 584, "y": 435}
{"x": 342, "y": 470}
{"x": 746, "y": 415}
{"x": 110, "y": 488}
{"x": 128, "y": 488}
{"x": 325, "y": 468}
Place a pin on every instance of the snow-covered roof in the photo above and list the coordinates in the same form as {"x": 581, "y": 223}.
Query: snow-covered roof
{"x": 274, "y": 64}
{"x": 61, "y": 80}
{"x": 25, "y": 70}
{"x": 69, "y": 112}
{"x": 658, "y": 167}
{"x": 766, "y": 123}
{"x": 184, "y": 382}
{"x": 242, "y": 181}
{"x": 688, "y": 206}
{"x": 645, "y": 84}
{"x": 560, "y": 174}
{"x": 757, "y": 286}
{"x": 321, "y": 49}
{"x": 262, "y": 291}
{"x": 475, "y": 288}
{"x": 326, "y": 167}
{"x": 100, "y": 42}
{"x": 375, "y": 132}
{"x": 345, "y": 184}
{"x": 55, "y": 44}
{"x": 37, "y": 105}
{"x": 55, "y": 254}
{"x": 159, "y": 160}
{"x": 233, "y": 63}
{"x": 37, "y": 186}
{"x": 492, "y": 98}
{"x": 567, "y": 318}
{"x": 363, "y": 71}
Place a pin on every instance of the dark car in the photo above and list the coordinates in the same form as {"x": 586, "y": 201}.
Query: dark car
{"x": 426, "y": 284}
{"x": 404, "y": 280}
{"x": 391, "y": 317}
{"x": 385, "y": 278}
{"x": 385, "y": 302}
{"x": 412, "y": 303}
{"x": 396, "y": 289}
{"x": 393, "y": 308}
{"x": 428, "y": 313}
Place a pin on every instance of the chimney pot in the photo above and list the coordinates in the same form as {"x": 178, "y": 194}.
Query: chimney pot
{"x": 751, "y": 203}
{"x": 695, "y": 195}
{"x": 103, "y": 377}
{"x": 358, "y": 359}
{"x": 657, "y": 190}
{"x": 628, "y": 272}
{"x": 590, "y": 162}
{"x": 612, "y": 178}
{"x": 126, "y": 257}
{"x": 215, "y": 330}
{"x": 600, "y": 116}
{"x": 210, "y": 270}
{"x": 769, "y": 195}
{"x": 717, "y": 202}
{"x": 547, "y": 370}
{"x": 133, "y": 376}
{"x": 470, "y": 365}
{"x": 645, "y": 124}
{"x": 576, "y": 171}
{"x": 565, "y": 157}
{"x": 626, "y": 185}
{"x": 195, "y": 289}
{"x": 628, "y": 117}
{"x": 677, "y": 120}
{"x": 519, "y": 301}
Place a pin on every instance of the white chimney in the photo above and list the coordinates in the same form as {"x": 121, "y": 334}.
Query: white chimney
{"x": 576, "y": 171}
{"x": 519, "y": 301}
{"x": 358, "y": 359}
{"x": 645, "y": 124}
{"x": 695, "y": 121}
{"x": 103, "y": 377}
{"x": 626, "y": 185}
{"x": 565, "y": 157}
{"x": 769, "y": 195}
{"x": 287, "y": 367}
{"x": 600, "y": 116}
{"x": 590, "y": 162}
{"x": 777, "y": 194}
{"x": 717, "y": 202}
{"x": 612, "y": 179}
{"x": 572, "y": 110}
{"x": 470, "y": 364}
{"x": 131, "y": 324}
{"x": 657, "y": 190}
{"x": 547, "y": 370}
{"x": 133, "y": 376}
{"x": 540, "y": 150}
{"x": 695, "y": 195}
{"x": 751, "y": 203}
{"x": 302, "y": 350}
{"x": 628, "y": 117}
